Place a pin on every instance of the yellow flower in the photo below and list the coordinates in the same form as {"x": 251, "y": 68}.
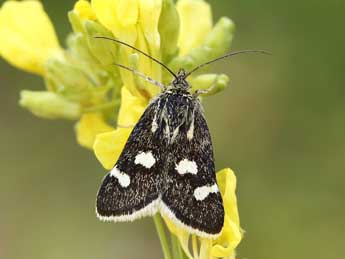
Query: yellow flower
{"x": 89, "y": 126}
{"x": 28, "y": 37}
{"x": 224, "y": 246}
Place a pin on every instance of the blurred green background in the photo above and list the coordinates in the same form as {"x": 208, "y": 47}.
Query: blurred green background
{"x": 280, "y": 126}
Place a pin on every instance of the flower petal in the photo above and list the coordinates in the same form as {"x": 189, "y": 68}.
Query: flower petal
{"x": 28, "y": 37}
{"x": 147, "y": 67}
{"x": 108, "y": 146}
{"x": 226, "y": 180}
{"x": 106, "y": 12}
{"x": 127, "y": 12}
{"x": 89, "y": 126}
{"x": 150, "y": 11}
{"x": 132, "y": 107}
{"x": 231, "y": 233}
{"x": 231, "y": 236}
{"x": 196, "y": 23}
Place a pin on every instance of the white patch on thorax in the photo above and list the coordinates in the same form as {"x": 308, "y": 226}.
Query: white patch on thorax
{"x": 123, "y": 178}
{"x": 145, "y": 159}
{"x": 202, "y": 192}
{"x": 190, "y": 132}
{"x": 154, "y": 126}
{"x": 187, "y": 167}
{"x": 175, "y": 133}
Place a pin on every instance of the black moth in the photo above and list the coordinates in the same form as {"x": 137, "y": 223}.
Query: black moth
{"x": 167, "y": 164}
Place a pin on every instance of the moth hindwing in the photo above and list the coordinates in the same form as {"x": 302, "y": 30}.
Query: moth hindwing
{"x": 167, "y": 166}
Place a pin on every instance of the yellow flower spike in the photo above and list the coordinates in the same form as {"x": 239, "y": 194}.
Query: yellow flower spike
{"x": 84, "y": 10}
{"x": 106, "y": 12}
{"x": 28, "y": 36}
{"x": 108, "y": 146}
{"x": 89, "y": 126}
{"x": 196, "y": 23}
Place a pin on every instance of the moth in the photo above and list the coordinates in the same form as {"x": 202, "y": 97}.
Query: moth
{"x": 167, "y": 164}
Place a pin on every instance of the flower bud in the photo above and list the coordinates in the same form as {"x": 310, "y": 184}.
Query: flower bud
{"x": 84, "y": 10}
{"x": 216, "y": 44}
{"x": 75, "y": 21}
{"x": 103, "y": 50}
{"x": 79, "y": 49}
{"x": 212, "y": 82}
{"x": 169, "y": 24}
{"x": 68, "y": 79}
{"x": 220, "y": 38}
{"x": 49, "y": 105}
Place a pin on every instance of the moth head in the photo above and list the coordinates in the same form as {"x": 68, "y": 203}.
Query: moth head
{"x": 180, "y": 81}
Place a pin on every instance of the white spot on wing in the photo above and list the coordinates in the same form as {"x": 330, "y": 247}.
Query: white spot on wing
{"x": 187, "y": 167}
{"x": 123, "y": 178}
{"x": 145, "y": 159}
{"x": 202, "y": 192}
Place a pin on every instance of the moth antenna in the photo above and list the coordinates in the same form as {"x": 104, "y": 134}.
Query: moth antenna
{"x": 138, "y": 50}
{"x": 226, "y": 56}
{"x": 147, "y": 78}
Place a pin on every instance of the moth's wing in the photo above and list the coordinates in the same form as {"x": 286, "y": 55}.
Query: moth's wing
{"x": 192, "y": 198}
{"x": 131, "y": 189}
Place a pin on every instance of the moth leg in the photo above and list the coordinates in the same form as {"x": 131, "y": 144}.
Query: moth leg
{"x": 198, "y": 92}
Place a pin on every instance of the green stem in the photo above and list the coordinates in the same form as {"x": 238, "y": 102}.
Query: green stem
{"x": 177, "y": 250}
{"x": 195, "y": 247}
{"x": 162, "y": 236}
